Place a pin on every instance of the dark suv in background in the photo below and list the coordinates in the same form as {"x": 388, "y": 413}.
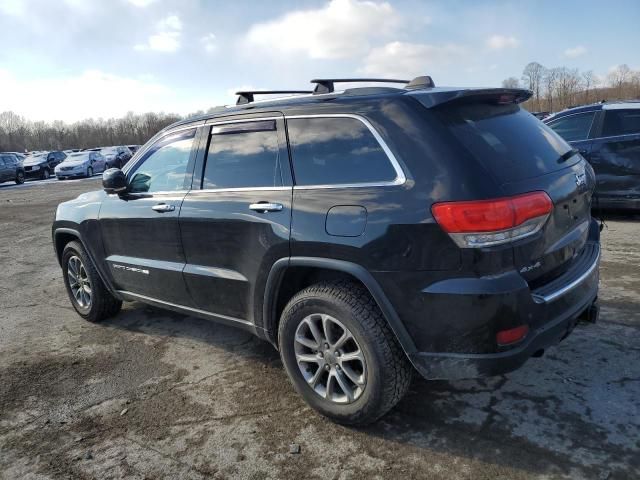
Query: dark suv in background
{"x": 608, "y": 136}
{"x": 42, "y": 165}
{"x": 11, "y": 169}
{"x": 365, "y": 233}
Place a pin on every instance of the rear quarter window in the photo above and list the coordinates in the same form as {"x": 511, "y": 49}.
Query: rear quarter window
{"x": 337, "y": 151}
{"x": 508, "y": 141}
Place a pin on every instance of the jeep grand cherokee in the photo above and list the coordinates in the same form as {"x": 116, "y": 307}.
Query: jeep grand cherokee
{"x": 366, "y": 233}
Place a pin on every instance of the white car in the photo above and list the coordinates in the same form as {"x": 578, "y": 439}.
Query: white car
{"x": 81, "y": 164}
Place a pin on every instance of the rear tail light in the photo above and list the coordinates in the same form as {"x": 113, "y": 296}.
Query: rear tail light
{"x": 483, "y": 223}
{"x": 513, "y": 335}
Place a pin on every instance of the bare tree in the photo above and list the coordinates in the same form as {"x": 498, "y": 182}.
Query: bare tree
{"x": 532, "y": 77}
{"x": 511, "y": 82}
{"x": 588, "y": 82}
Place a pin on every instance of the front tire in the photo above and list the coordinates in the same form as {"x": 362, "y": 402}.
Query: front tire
{"x": 89, "y": 172}
{"x": 340, "y": 353}
{"x": 45, "y": 174}
{"x": 88, "y": 295}
{"x": 19, "y": 178}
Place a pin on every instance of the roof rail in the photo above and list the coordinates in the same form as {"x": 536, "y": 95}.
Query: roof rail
{"x": 246, "y": 96}
{"x": 326, "y": 85}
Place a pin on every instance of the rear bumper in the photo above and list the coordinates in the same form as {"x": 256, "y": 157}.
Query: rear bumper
{"x": 550, "y": 312}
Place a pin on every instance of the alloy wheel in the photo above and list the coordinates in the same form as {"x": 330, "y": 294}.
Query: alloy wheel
{"x": 79, "y": 282}
{"x": 330, "y": 359}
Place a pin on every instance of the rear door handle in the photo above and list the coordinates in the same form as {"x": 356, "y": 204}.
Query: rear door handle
{"x": 163, "y": 207}
{"x": 263, "y": 207}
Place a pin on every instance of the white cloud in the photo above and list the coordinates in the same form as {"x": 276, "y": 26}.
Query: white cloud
{"x": 93, "y": 93}
{"x": 209, "y": 42}
{"x": 402, "y": 59}
{"x": 167, "y": 36}
{"x": 16, "y": 8}
{"x": 141, "y": 3}
{"x": 341, "y": 29}
{"x": 499, "y": 42}
{"x": 575, "y": 51}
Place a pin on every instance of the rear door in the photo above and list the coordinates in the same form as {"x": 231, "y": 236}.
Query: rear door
{"x": 235, "y": 222}
{"x": 615, "y": 154}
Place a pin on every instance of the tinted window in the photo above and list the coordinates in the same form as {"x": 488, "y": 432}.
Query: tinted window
{"x": 574, "y": 127}
{"x": 334, "y": 151}
{"x": 243, "y": 155}
{"x": 510, "y": 142}
{"x": 621, "y": 122}
{"x": 165, "y": 165}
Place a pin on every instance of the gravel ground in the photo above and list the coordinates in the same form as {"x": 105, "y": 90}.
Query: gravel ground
{"x": 153, "y": 394}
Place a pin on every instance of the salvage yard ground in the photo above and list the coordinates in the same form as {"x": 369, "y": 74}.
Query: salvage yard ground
{"x": 153, "y": 394}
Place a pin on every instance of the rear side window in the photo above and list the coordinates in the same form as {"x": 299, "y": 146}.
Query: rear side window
{"x": 621, "y": 122}
{"x": 243, "y": 155}
{"x": 336, "y": 151}
{"x": 510, "y": 142}
{"x": 574, "y": 127}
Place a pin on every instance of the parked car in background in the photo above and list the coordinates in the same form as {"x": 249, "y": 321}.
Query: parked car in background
{"x": 11, "y": 169}
{"x": 608, "y": 136}
{"x": 116, "y": 157}
{"x": 133, "y": 148}
{"x": 540, "y": 115}
{"x": 367, "y": 234}
{"x": 42, "y": 165}
{"x": 81, "y": 164}
{"x": 18, "y": 155}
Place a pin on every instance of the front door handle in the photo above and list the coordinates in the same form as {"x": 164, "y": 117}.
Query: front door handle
{"x": 163, "y": 207}
{"x": 264, "y": 207}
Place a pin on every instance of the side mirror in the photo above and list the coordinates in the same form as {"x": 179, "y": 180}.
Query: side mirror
{"x": 114, "y": 181}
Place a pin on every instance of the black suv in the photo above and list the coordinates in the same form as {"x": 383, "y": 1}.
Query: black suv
{"x": 608, "y": 136}
{"x": 42, "y": 165}
{"x": 365, "y": 233}
{"x": 11, "y": 169}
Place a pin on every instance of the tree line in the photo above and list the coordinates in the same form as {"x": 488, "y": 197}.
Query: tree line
{"x": 18, "y": 134}
{"x": 558, "y": 88}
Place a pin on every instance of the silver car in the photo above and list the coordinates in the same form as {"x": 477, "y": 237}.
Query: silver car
{"x": 80, "y": 164}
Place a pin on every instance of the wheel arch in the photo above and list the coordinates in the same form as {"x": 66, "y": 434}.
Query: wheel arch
{"x": 62, "y": 236}
{"x": 277, "y": 293}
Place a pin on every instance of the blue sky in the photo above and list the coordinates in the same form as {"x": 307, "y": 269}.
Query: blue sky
{"x": 72, "y": 59}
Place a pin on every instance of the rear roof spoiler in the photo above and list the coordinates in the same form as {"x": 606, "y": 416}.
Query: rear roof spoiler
{"x": 499, "y": 96}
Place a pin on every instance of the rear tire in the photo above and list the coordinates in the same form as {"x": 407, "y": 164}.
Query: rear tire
{"x": 19, "y": 178}
{"x": 88, "y": 295}
{"x": 372, "y": 366}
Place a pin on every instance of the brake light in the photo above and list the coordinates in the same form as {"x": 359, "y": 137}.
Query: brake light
{"x": 483, "y": 223}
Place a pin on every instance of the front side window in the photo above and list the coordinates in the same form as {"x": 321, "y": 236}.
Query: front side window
{"x": 621, "y": 122}
{"x": 243, "y": 155}
{"x": 574, "y": 127}
{"x": 336, "y": 151}
{"x": 165, "y": 166}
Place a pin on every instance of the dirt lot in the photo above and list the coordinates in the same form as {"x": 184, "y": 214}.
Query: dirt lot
{"x": 154, "y": 394}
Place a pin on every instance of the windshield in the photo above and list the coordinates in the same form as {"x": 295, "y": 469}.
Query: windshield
{"x": 510, "y": 142}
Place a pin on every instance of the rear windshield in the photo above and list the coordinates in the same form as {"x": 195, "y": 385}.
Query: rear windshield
{"x": 510, "y": 142}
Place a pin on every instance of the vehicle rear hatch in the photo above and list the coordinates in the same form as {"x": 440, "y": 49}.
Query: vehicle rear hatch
{"x": 523, "y": 155}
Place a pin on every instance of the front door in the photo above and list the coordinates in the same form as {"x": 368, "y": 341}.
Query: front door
{"x": 140, "y": 230}
{"x": 235, "y": 221}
